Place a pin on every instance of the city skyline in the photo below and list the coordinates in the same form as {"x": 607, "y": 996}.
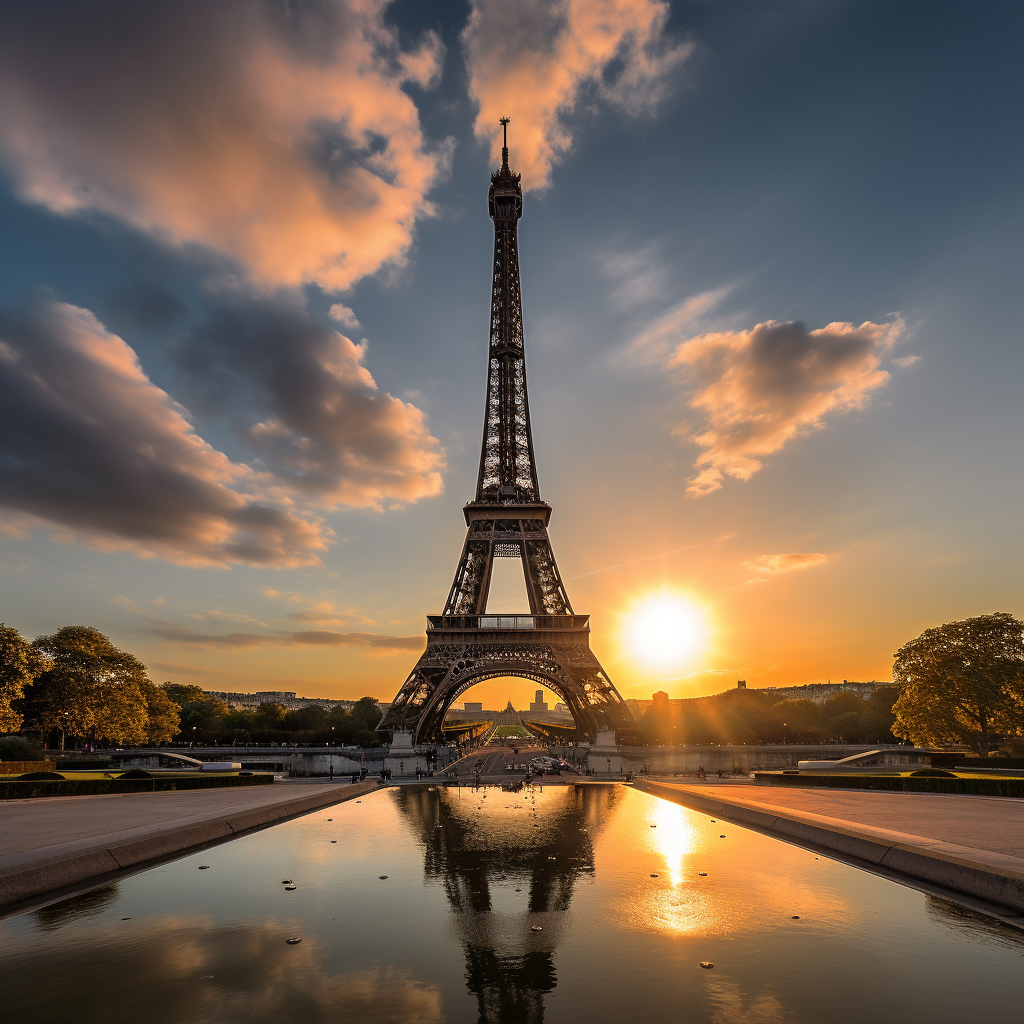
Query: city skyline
{"x": 768, "y": 260}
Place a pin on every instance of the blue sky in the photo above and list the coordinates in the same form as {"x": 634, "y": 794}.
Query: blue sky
{"x": 769, "y": 288}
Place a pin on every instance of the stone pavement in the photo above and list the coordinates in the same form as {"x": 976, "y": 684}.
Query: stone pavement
{"x": 970, "y": 845}
{"x": 48, "y": 845}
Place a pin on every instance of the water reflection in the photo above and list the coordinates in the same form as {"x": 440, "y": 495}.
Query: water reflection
{"x": 444, "y": 937}
{"x": 74, "y": 908}
{"x": 509, "y": 862}
{"x": 172, "y": 970}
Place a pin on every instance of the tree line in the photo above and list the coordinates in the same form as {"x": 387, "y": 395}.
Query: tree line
{"x": 959, "y": 684}
{"x": 76, "y": 684}
{"x": 207, "y": 719}
{"x": 756, "y": 716}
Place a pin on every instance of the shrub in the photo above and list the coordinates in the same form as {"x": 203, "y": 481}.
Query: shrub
{"x": 20, "y": 748}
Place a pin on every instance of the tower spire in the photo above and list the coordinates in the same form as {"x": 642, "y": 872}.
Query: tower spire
{"x": 504, "y": 122}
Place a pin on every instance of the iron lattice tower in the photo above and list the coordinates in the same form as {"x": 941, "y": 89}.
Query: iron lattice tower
{"x": 506, "y": 519}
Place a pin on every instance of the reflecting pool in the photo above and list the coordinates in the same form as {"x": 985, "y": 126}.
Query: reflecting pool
{"x": 564, "y": 904}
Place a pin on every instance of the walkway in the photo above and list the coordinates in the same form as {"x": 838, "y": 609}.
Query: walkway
{"x": 48, "y": 845}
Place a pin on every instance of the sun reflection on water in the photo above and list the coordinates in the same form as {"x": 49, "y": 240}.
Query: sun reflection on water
{"x": 673, "y": 837}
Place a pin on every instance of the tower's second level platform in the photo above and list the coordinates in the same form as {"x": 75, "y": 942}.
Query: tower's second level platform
{"x": 508, "y": 628}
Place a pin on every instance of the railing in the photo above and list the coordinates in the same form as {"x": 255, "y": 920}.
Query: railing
{"x": 507, "y": 621}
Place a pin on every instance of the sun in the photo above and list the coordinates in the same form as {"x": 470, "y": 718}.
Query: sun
{"x": 666, "y": 630}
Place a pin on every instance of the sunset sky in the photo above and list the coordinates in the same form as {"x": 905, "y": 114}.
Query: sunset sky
{"x": 771, "y": 261}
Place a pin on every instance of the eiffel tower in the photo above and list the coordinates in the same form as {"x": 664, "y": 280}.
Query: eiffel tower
{"x": 506, "y": 519}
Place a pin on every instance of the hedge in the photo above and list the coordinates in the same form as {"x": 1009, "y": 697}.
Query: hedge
{"x": 895, "y": 783}
{"x": 90, "y": 787}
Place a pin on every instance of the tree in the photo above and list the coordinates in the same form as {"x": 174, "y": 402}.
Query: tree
{"x": 164, "y": 715}
{"x": 962, "y": 682}
{"x": 89, "y": 687}
{"x": 20, "y": 664}
{"x": 367, "y": 711}
{"x": 196, "y": 708}
{"x": 801, "y": 718}
{"x": 185, "y": 693}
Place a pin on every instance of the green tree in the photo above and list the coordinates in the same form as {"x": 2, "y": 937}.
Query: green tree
{"x": 801, "y": 718}
{"x": 196, "y": 709}
{"x": 89, "y": 687}
{"x": 367, "y": 711}
{"x": 185, "y": 693}
{"x": 962, "y": 682}
{"x": 164, "y": 716}
{"x": 879, "y": 718}
{"x": 20, "y": 664}
{"x": 271, "y": 716}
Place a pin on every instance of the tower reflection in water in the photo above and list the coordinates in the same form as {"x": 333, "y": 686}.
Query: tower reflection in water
{"x": 509, "y": 878}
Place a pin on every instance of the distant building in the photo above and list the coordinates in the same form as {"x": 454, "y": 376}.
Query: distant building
{"x": 539, "y": 703}
{"x": 286, "y": 698}
{"x": 820, "y": 692}
{"x": 473, "y": 706}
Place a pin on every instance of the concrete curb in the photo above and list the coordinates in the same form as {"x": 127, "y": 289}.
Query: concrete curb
{"x": 28, "y": 881}
{"x": 993, "y": 877}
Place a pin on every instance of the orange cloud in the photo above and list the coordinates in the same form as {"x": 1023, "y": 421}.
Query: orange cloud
{"x": 88, "y": 442}
{"x": 761, "y": 388}
{"x": 533, "y": 59}
{"x": 279, "y": 135}
{"x": 772, "y": 565}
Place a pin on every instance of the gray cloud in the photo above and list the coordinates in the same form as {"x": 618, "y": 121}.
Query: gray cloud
{"x": 308, "y": 408}
{"x": 88, "y": 442}
{"x": 188, "y": 637}
{"x": 141, "y": 306}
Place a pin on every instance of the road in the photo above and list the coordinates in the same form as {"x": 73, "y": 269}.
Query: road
{"x": 493, "y": 760}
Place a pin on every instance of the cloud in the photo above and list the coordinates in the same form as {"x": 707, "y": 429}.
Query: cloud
{"x": 183, "y": 964}
{"x": 345, "y": 316}
{"x": 278, "y": 134}
{"x": 761, "y": 388}
{"x": 308, "y": 408}
{"x": 904, "y": 361}
{"x": 174, "y": 667}
{"x": 535, "y": 60}
{"x": 639, "y": 276}
{"x": 657, "y": 343}
{"x": 89, "y": 443}
{"x": 186, "y": 636}
{"x": 772, "y": 565}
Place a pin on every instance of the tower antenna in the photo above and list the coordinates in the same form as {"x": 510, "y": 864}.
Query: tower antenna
{"x": 504, "y": 121}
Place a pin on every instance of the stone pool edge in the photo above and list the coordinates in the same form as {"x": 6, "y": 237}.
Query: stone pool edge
{"x": 993, "y": 878}
{"x": 22, "y": 883}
